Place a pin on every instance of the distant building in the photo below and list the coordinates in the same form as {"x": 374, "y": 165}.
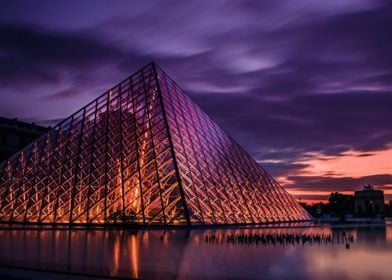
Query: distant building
{"x": 15, "y": 134}
{"x": 369, "y": 201}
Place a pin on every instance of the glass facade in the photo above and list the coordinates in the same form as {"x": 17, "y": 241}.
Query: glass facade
{"x": 141, "y": 153}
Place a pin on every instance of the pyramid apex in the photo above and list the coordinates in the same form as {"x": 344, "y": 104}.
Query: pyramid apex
{"x": 153, "y": 62}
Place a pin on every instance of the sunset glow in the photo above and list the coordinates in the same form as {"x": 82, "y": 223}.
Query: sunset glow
{"x": 351, "y": 164}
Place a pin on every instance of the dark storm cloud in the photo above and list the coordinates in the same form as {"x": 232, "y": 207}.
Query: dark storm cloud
{"x": 32, "y": 54}
{"x": 285, "y": 78}
{"x": 343, "y": 184}
{"x": 330, "y": 124}
{"x": 283, "y": 167}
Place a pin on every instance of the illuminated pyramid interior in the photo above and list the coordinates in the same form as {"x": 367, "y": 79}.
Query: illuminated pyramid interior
{"x": 141, "y": 153}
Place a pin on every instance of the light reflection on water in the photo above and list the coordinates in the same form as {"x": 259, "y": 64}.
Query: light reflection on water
{"x": 185, "y": 254}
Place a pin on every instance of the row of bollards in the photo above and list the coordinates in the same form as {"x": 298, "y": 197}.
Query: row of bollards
{"x": 282, "y": 239}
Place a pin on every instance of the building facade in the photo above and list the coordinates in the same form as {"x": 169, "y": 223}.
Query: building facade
{"x": 369, "y": 201}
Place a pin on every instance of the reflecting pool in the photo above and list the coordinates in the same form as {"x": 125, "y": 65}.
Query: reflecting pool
{"x": 285, "y": 252}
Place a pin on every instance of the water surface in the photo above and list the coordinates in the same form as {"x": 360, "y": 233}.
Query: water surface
{"x": 334, "y": 252}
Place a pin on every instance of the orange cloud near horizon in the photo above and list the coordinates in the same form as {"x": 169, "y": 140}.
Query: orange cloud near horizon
{"x": 350, "y": 164}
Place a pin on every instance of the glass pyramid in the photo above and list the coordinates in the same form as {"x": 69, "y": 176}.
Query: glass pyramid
{"x": 141, "y": 153}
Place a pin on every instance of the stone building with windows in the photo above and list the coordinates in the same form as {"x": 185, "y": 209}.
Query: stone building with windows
{"x": 369, "y": 201}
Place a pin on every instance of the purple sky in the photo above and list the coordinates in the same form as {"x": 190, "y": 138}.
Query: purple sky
{"x": 291, "y": 81}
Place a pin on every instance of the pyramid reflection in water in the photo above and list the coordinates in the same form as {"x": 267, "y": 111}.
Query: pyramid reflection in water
{"x": 142, "y": 153}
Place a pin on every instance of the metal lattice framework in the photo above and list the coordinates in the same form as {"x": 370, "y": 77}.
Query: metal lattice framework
{"x": 143, "y": 152}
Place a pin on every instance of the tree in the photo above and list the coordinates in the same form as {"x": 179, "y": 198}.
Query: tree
{"x": 341, "y": 204}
